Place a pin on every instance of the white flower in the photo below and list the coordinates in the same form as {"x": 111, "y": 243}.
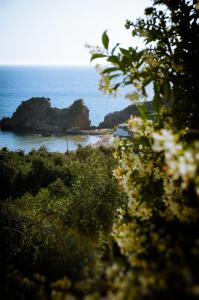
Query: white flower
{"x": 181, "y": 163}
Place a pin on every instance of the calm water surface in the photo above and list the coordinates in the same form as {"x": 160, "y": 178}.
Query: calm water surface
{"x": 63, "y": 85}
{"x": 53, "y": 144}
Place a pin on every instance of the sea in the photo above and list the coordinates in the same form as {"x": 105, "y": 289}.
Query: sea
{"x": 63, "y": 85}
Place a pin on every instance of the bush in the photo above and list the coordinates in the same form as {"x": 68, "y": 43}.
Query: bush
{"x": 57, "y": 224}
{"x": 158, "y": 166}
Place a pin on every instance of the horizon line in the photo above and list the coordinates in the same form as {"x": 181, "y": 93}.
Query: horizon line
{"x": 45, "y": 65}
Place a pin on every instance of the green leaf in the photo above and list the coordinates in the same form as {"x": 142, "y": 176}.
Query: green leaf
{"x": 97, "y": 55}
{"x": 125, "y": 52}
{"x": 113, "y": 59}
{"x": 141, "y": 62}
{"x": 109, "y": 70}
{"x": 147, "y": 81}
{"x": 144, "y": 91}
{"x": 105, "y": 40}
{"x": 116, "y": 86}
{"x": 113, "y": 76}
{"x": 113, "y": 50}
{"x": 143, "y": 111}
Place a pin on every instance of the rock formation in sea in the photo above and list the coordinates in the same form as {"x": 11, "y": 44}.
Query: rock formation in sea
{"x": 118, "y": 117}
{"x": 37, "y": 116}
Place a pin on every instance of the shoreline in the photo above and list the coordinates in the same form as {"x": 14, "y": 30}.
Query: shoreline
{"x": 83, "y": 132}
{"x": 105, "y": 141}
{"x": 15, "y": 141}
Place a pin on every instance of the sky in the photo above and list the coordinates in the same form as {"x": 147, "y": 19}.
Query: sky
{"x": 54, "y": 32}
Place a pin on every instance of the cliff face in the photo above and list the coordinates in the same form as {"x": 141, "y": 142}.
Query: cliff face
{"x": 37, "y": 116}
{"x": 118, "y": 117}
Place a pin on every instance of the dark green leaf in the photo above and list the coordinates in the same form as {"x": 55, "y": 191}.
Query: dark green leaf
{"x": 147, "y": 81}
{"x": 97, "y": 55}
{"x": 144, "y": 92}
{"x": 105, "y": 40}
{"x": 113, "y": 59}
{"x": 116, "y": 86}
{"x": 113, "y": 76}
{"x": 109, "y": 70}
{"x": 125, "y": 52}
{"x": 113, "y": 50}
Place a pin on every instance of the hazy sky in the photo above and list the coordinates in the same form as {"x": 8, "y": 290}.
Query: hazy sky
{"x": 55, "y": 31}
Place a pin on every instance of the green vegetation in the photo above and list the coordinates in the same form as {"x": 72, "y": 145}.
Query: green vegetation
{"x": 70, "y": 231}
{"x": 159, "y": 167}
{"x": 168, "y": 60}
{"x": 57, "y": 212}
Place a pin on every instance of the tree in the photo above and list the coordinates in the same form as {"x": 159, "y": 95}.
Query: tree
{"x": 159, "y": 167}
{"x": 168, "y": 60}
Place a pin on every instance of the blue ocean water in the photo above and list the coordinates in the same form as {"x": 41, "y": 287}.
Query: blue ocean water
{"x": 63, "y": 85}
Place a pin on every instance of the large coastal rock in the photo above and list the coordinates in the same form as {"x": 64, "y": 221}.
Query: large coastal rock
{"x": 37, "y": 116}
{"x": 113, "y": 119}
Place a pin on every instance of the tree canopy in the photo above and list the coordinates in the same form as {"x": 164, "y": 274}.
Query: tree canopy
{"x": 159, "y": 166}
{"x": 168, "y": 60}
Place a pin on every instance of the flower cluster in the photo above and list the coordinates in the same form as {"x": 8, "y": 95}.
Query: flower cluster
{"x": 159, "y": 173}
{"x": 182, "y": 160}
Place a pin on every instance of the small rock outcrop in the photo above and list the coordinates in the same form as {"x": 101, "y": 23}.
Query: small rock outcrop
{"x": 37, "y": 116}
{"x": 113, "y": 119}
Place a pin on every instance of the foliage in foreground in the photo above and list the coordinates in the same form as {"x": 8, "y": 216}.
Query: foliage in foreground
{"x": 159, "y": 167}
{"x": 158, "y": 233}
{"x": 57, "y": 212}
{"x": 168, "y": 61}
